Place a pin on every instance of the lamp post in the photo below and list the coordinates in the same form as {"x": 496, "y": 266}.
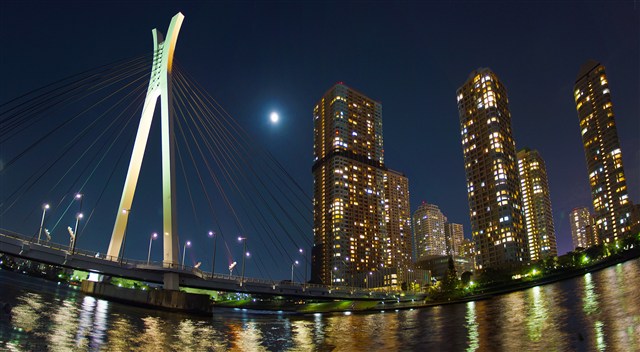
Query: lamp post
{"x": 153, "y": 237}
{"x": 244, "y": 255}
{"x": 184, "y": 251}
{"x": 213, "y": 261}
{"x": 75, "y": 233}
{"x": 304, "y": 264}
{"x": 44, "y": 211}
{"x": 292, "y": 265}
{"x": 334, "y": 269}
{"x": 369, "y": 279}
{"x": 124, "y": 235}
{"x": 79, "y": 197}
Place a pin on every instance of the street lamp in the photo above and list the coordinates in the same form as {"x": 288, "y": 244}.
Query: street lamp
{"x": 75, "y": 233}
{"x": 184, "y": 251}
{"x": 78, "y": 196}
{"x": 124, "y": 234}
{"x": 334, "y": 269}
{"x": 153, "y": 237}
{"x": 44, "y": 211}
{"x": 244, "y": 255}
{"x": 304, "y": 254}
{"x": 292, "y": 265}
{"x": 213, "y": 261}
{"x": 369, "y": 279}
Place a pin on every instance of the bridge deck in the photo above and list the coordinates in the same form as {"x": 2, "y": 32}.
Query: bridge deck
{"x": 57, "y": 254}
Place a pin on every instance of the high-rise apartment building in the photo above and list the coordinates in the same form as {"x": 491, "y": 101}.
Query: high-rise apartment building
{"x": 398, "y": 221}
{"x": 613, "y": 209}
{"x": 360, "y": 207}
{"x": 493, "y": 186}
{"x": 536, "y": 205}
{"x": 454, "y": 234}
{"x": 469, "y": 251}
{"x": 429, "y": 231}
{"x": 582, "y": 229}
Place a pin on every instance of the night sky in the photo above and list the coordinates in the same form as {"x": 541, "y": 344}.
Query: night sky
{"x": 258, "y": 57}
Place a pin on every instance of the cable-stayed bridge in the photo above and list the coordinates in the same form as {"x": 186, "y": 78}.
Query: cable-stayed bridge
{"x": 89, "y": 162}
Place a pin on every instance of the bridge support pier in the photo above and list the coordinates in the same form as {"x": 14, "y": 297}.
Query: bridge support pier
{"x": 171, "y": 281}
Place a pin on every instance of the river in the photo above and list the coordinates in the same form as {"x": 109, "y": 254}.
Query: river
{"x": 595, "y": 312}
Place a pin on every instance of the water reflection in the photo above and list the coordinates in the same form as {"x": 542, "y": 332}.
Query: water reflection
{"x": 152, "y": 337}
{"x": 617, "y": 324}
{"x": 512, "y": 314}
{"x": 302, "y": 335}
{"x": 600, "y": 343}
{"x": 92, "y": 322}
{"x": 473, "y": 341}
{"x": 64, "y": 328}
{"x": 318, "y": 329}
{"x": 599, "y": 311}
{"x": 121, "y": 334}
{"x": 537, "y": 315}
{"x": 26, "y": 315}
{"x": 248, "y": 338}
{"x": 590, "y": 299}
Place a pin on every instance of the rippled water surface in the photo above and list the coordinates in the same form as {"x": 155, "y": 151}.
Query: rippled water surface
{"x": 594, "y": 312}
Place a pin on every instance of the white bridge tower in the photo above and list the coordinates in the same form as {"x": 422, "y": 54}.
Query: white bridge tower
{"x": 159, "y": 87}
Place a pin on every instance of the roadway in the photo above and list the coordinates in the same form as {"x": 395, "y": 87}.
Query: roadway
{"x": 25, "y": 247}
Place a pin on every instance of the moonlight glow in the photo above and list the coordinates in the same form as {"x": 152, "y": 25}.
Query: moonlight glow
{"x": 274, "y": 117}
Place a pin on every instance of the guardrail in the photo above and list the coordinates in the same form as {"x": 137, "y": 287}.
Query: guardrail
{"x": 144, "y": 265}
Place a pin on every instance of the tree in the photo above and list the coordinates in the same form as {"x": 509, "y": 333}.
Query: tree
{"x": 450, "y": 281}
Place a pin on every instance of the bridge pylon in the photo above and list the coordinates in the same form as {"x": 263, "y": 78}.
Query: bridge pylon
{"x": 159, "y": 87}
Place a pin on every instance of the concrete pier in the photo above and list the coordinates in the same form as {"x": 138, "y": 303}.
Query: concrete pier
{"x": 156, "y": 298}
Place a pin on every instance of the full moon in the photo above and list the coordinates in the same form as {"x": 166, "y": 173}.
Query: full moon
{"x": 274, "y": 117}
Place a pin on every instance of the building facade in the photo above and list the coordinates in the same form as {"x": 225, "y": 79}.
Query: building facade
{"x": 429, "y": 231}
{"x": 361, "y": 209}
{"x": 469, "y": 252}
{"x": 582, "y": 230}
{"x": 399, "y": 244}
{"x": 536, "y": 205}
{"x": 454, "y": 234}
{"x": 611, "y": 203}
{"x": 493, "y": 186}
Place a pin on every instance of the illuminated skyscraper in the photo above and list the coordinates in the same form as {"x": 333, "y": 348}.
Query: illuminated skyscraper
{"x": 398, "y": 221}
{"x": 469, "y": 251}
{"x": 613, "y": 209}
{"x": 536, "y": 205}
{"x": 582, "y": 230}
{"x": 428, "y": 231}
{"x": 490, "y": 165}
{"x": 349, "y": 201}
{"x": 454, "y": 234}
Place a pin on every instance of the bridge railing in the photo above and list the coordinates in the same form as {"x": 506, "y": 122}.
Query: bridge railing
{"x": 143, "y": 264}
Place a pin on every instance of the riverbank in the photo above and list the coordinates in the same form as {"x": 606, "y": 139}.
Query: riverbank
{"x": 483, "y": 294}
{"x": 204, "y": 306}
{"x": 506, "y": 288}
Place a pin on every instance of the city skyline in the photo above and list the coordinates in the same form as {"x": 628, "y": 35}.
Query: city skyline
{"x": 402, "y": 122}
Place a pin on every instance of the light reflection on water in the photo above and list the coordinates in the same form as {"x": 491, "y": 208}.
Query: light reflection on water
{"x": 473, "y": 340}
{"x": 599, "y": 311}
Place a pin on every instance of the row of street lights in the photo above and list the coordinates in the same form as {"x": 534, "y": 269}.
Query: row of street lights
{"x": 72, "y": 231}
{"x": 211, "y": 234}
{"x": 73, "y": 234}
{"x": 301, "y": 251}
